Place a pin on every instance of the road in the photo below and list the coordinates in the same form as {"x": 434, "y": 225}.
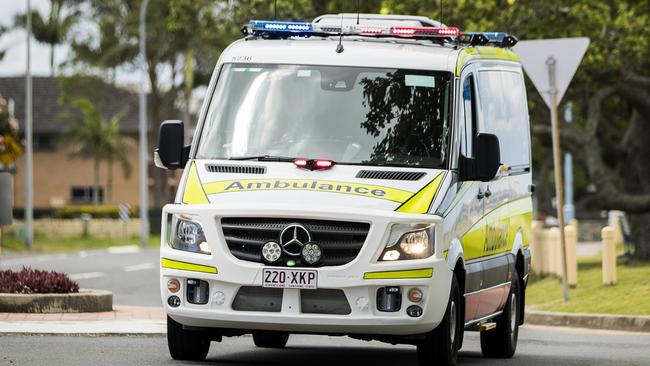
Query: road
{"x": 130, "y": 273}
{"x": 537, "y": 346}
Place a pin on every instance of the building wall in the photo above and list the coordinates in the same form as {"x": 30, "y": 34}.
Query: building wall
{"x": 55, "y": 173}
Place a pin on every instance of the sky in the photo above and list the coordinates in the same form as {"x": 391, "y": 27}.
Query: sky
{"x": 15, "y": 41}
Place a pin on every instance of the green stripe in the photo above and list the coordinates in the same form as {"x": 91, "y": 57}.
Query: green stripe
{"x": 410, "y": 273}
{"x": 184, "y": 266}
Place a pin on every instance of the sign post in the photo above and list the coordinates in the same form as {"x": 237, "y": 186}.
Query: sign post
{"x": 550, "y": 65}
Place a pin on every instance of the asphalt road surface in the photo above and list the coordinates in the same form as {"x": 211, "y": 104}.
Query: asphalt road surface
{"x": 537, "y": 346}
{"x": 130, "y": 273}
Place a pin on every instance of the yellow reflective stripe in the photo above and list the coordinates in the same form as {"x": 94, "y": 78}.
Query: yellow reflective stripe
{"x": 421, "y": 201}
{"x": 411, "y": 273}
{"x": 172, "y": 264}
{"x": 473, "y": 53}
{"x": 328, "y": 186}
{"x": 194, "y": 193}
{"x": 513, "y": 216}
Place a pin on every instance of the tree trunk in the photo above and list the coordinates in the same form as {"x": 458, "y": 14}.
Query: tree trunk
{"x": 96, "y": 182}
{"x": 640, "y": 235}
{"x": 109, "y": 182}
{"x": 52, "y": 60}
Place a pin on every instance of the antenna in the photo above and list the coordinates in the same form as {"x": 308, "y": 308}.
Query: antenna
{"x": 339, "y": 47}
{"x": 441, "y": 22}
{"x": 358, "y": 12}
{"x": 275, "y": 10}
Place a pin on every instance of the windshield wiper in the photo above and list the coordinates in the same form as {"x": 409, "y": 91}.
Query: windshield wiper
{"x": 263, "y": 158}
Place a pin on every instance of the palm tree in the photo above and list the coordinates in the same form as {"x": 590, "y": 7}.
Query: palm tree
{"x": 54, "y": 29}
{"x": 93, "y": 137}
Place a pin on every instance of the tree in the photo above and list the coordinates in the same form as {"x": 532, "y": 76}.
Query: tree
{"x": 90, "y": 136}
{"x": 54, "y": 29}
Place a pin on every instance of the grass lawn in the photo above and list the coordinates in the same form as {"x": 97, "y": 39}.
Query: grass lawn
{"x": 54, "y": 245}
{"x": 630, "y": 295}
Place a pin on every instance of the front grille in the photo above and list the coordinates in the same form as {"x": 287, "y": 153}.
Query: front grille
{"x": 324, "y": 301}
{"x": 341, "y": 241}
{"x": 252, "y": 298}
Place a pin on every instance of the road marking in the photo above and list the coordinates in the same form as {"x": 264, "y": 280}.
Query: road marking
{"x": 86, "y": 276}
{"x": 124, "y": 249}
{"x": 139, "y": 267}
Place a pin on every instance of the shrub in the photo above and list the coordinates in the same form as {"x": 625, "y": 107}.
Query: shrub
{"x": 97, "y": 212}
{"x": 33, "y": 281}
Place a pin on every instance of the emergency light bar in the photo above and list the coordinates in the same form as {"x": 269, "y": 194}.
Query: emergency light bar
{"x": 277, "y": 29}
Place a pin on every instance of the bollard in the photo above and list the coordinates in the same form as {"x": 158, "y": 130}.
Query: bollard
{"x": 609, "y": 255}
{"x": 571, "y": 242}
{"x": 555, "y": 262}
{"x": 536, "y": 248}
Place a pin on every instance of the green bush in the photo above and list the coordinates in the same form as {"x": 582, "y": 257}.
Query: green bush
{"x": 97, "y": 212}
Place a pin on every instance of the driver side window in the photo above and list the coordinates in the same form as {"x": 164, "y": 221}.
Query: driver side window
{"x": 468, "y": 125}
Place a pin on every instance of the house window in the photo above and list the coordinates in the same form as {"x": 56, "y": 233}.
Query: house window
{"x": 83, "y": 195}
{"x": 44, "y": 142}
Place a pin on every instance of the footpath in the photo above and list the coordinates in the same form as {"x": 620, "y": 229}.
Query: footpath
{"x": 123, "y": 320}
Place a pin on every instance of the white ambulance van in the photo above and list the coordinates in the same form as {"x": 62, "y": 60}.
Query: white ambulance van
{"x": 366, "y": 177}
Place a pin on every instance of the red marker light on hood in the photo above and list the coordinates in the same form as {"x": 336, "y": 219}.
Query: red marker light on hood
{"x": 313, "y": 164}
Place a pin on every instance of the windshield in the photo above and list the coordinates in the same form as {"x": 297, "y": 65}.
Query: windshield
{"x": 351, "y": 115}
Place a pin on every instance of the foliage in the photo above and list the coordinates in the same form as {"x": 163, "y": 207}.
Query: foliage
{"x": 31, "y": 281}
{"x": 10, "y": 147}
{"x": 97, "y": 212}
{"x": 90, "y": 136}
{"x": 54, "y": 29}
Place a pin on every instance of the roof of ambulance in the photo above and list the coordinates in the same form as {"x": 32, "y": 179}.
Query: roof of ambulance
{"x": 361, "y": 51}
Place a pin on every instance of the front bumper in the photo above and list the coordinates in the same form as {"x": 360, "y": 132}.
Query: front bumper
{"x": 364, "y": 317}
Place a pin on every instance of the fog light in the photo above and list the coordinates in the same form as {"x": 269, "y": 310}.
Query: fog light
{"x": 414, "y": 311}
{"x": 391, "y": 255}
{"x": 174, "y": 301}
{"x": 271, "y": 252}
{"x": 389, "y": 299}
{"x": 173, "y": 285}
{"x": 415, "y": 295}
{"x": 197, "y": 291}
{"x": 311, "y": 253}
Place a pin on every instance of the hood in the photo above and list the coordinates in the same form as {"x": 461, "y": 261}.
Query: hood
{"x": 385, "y": 188}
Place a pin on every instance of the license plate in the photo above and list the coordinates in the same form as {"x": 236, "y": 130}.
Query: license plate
{"x": 290, "y": 278}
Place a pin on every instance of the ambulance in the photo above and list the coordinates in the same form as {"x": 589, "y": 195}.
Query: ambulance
{"x": 358, "y": 175}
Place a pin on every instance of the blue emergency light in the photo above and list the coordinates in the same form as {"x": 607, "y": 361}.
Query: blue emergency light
{"x": 273, "y": 26}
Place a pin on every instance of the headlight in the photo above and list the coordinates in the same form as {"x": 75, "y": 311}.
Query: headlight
{"x": 409, "y": 242}
{"x": 187, "y": 234}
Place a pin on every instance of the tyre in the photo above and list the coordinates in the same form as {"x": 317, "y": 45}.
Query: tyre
{"x": 501, "y": 342}
{"x": 440, "y": 346}
{"x": 186, "y": 344}
{"x": 270, "y": 339}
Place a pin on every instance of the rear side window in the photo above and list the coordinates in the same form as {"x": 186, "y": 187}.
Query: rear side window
{"x": 504, "y": 113}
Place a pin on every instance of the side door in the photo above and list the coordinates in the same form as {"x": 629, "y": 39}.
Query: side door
{"x": 473, "y": 239}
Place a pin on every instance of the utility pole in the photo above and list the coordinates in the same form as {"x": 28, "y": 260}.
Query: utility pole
{"x": 29, "y": 154}
{"x": 557, "y": 162}
{"x": 144, "y": 157}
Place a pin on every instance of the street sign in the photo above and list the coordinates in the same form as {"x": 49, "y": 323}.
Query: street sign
{"x": 550, "y": 65}
{"x": 567, "y": 53}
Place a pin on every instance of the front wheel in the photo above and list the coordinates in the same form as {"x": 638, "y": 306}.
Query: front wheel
{"x": 440, "y": 346}
{"x": 184, "y": 344}
{"x": 501, "y": 342}
{"x": 270, "y": 339}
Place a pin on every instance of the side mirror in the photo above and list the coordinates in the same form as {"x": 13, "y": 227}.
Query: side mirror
{"x": 171, "y": 153}
{"x": 487, "y": 162}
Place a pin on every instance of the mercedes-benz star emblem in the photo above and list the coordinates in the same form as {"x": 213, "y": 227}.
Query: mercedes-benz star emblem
{"x": 293, "y": 238}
